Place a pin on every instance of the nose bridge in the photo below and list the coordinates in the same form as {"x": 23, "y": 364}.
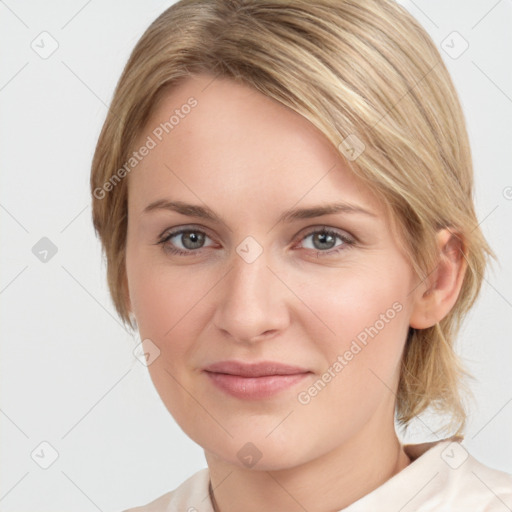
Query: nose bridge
{"x": 250, "y": 276}
{"x": 251, "y": 302}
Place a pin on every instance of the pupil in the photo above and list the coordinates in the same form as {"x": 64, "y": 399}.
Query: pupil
{"x": 325, "y": 238}
{"x": 195, "y": 238}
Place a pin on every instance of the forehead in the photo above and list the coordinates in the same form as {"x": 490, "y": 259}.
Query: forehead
{"x": 214, "y": 136}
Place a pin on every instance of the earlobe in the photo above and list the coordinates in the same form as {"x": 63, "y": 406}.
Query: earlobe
{"x": 437, "y": 295}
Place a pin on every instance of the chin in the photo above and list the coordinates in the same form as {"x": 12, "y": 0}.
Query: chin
{"x": 252, "y": 450}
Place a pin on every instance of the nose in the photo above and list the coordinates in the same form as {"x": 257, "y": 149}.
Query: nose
{"x": 251, "y": 301}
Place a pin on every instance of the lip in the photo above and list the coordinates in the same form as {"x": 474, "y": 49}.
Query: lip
{"x": 254, "y": 380}
{"x": 261, "y": 369}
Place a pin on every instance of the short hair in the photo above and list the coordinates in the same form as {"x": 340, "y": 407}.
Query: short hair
{"x": 358, "y": 71}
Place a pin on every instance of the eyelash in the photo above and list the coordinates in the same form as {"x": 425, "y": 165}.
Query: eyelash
{"x": 347, "y": 242}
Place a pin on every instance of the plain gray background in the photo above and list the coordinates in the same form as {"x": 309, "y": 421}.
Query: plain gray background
{"x": 68, "y": 375}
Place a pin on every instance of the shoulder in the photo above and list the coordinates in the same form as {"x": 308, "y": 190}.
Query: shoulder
{"x": 442, "y": 477}
{"x": 474, "y": 483}
{"x": 190, "y": 496}
{"x": 460, "y": 482}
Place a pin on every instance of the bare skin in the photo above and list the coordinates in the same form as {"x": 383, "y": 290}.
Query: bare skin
{"x": 302, "y": 301}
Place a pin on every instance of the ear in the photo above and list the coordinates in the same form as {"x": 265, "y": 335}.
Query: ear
{"x": 437, "y": 294}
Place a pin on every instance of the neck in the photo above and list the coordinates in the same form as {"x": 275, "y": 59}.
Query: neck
{"x": 330, "y": 482}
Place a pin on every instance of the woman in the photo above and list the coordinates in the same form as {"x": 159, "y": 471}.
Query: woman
{"x": 283, "y": 191}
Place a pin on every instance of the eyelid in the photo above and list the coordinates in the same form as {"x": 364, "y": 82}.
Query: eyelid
{"x": 343, "y": 234}
{"x": 180, "y": 229}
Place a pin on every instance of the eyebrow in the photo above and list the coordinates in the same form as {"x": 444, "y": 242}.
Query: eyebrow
{"x": 203, "y": 212}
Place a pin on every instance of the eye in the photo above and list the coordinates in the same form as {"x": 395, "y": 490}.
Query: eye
{"x": 324, "y": 241}
{"x": 190, "y": 240}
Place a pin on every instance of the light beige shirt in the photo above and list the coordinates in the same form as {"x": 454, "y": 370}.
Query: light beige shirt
{"x": 441, "y": 477}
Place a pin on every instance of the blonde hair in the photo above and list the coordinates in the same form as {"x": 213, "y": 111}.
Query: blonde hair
{"x": 363, "y": 70}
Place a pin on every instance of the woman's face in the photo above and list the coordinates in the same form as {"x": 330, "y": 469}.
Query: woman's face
{"x": 262, "y": 278}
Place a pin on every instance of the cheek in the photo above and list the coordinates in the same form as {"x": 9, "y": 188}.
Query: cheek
{"x": 366, "y": 313}
{"x": 351, "y": 302}
{"x": 167, "y": 303}
{"x": 170, "y": 304}
{"x": 163, "y": 296}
